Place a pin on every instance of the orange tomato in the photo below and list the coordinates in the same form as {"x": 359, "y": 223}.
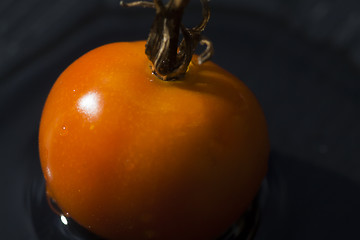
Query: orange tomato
{"x": 130, "y": 156}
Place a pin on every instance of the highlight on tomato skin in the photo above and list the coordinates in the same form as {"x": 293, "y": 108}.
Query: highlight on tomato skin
{"x": 129, "y": 156}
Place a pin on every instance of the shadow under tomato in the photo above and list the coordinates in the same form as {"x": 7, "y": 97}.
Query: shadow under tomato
{"x": 303, "y": 202}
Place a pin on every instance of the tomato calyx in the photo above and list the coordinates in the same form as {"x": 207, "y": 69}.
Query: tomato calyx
{"x": 170, "y": 60}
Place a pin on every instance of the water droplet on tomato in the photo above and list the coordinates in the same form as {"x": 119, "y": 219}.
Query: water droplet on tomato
{"x": 64, "y": 130}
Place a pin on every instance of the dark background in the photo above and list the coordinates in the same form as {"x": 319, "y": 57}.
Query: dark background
{"x": 300, "y": 57}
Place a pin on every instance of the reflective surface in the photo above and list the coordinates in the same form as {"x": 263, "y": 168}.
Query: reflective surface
{"x": 299, "y": 64}
{"x": 50, "y": 223}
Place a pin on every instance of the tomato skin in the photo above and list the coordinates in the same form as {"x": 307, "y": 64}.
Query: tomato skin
{"x": 130, "y": 156}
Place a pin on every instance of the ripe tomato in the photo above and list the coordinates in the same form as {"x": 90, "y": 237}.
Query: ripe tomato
{"x": 130, "y": 156}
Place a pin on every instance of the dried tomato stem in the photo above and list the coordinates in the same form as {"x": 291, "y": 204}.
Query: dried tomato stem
{"x": 170, "y": 60}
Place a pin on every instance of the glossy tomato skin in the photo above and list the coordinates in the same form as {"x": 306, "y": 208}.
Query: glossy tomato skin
{"x": 130, "y": 156}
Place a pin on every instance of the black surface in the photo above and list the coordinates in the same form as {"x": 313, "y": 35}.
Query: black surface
{"x": 301, "y": 59}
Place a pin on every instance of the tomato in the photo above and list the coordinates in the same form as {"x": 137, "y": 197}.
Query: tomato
{"x": 129, "y": 156}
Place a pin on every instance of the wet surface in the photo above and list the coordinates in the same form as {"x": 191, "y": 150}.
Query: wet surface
{"x": 304, "y": 73}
